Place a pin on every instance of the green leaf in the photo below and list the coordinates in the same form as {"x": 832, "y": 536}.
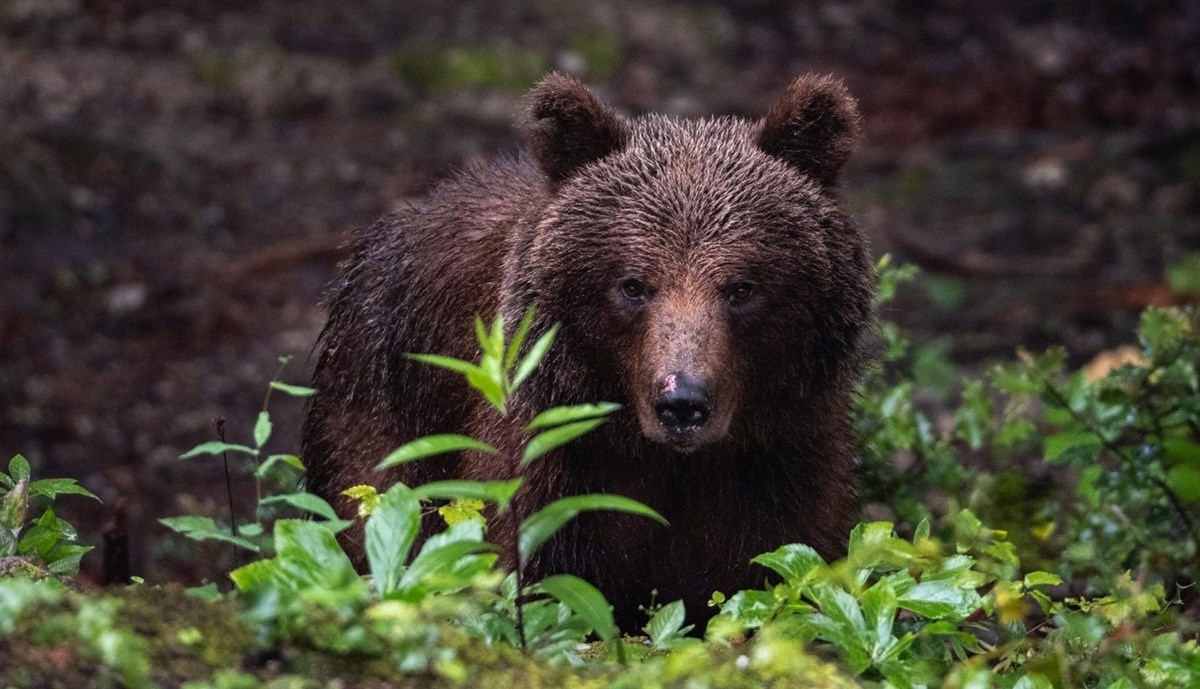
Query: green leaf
{"x": 793, "y": 562}
{"x": 15, "y": 507}
{"x": 390, "y": 532}
{"x": 204, "y": 529}
{"x": 214, "y": 447}
{"x": 53, "y": 487}
{"x": 262, "y": 429}
{"x": 18, "y": 468}
{"x": 499, "y": 492}
{"x": 561, "y": 415}
{"x": 309, "y": 555}
{"x": 1060, "y": 444}
{"x": 546, "y": 441}
{"x": 432, "y": 561}
{"x": 541, "y": 525}
{"x": 1181, "y": 452}
{"x": 518, "y": 340}
{"x": 666, "y": 624}
{"x": 940, "y": 600}
{"x": 257, "y": 575}
{"x": 1036, "y": 680}
{"x": 489, "y": 381}
{"x": 584, "y": 600}
{"x": 536, "y": 353}
{"x": 290, "y": 460}
{"x": 496, "y": 338}
{"x": 1184, "y": 479}
{"x": 749, "y": 609}
{"x": 449, "y": 363}
{"x": 433, "y": 445}
{"x": 303, "y": 501}
{"x": 879, "y": 611}
{"x": 293, "y": 390}
{"x": 1042, "y": 579}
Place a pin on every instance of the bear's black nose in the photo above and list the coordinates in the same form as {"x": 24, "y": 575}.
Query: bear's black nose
{"x": 682, "y": 403}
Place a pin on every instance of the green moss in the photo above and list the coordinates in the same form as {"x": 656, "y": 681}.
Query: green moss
{"x": 190, "y": 642}
{"x": 504, "y": 67}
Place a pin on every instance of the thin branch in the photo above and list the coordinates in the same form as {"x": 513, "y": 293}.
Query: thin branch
{"x": 1112, "y": 447}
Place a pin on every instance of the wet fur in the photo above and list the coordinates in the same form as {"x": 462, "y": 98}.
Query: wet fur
{"x": 691, "y": 202}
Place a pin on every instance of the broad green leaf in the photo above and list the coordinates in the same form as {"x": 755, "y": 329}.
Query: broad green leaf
{"x": 879, "y": 611}
{"x": 1181, "y": 452}
{"x": 536, "y": 353}
{"x": 518, "y": 340}
{"x": 1184, "y": 479}
{"x": 439, "y": 560}
{"x": 64, "y": 558}
{"x": 1057, "y": 445}
{"x": 309, "y": 555}
{"x": 749, "y": 609}
{"x": 433, "y": 445}
{"x": 390, "y": 532}
{"x": 561, "y": 415}
{"x": 541, "y": 525}
{"x": 293, "y": 390}
{"x": 584, "y": 600}
{"x": 446, "y": 362}
{"x": 290, "y": 460}
{"x": 18, "y": 467}
{"x": 793, "y": 562}
{"x": 1036, "y": 680}
{"x": 554, "y": 438}
{"x": 214, "y": 447}
{"x": 256, "y": 575}
{"x": 303, "y": 501}
{"x": 940, "y": 600}
{"x": 499, "y": 492}
{"x": 200, "y": 528}
{"x": 53, "y": 487}
{"x": 666, "y": 624}
{"x": 1042, "y": 579}
{"x": 262, "y": 429}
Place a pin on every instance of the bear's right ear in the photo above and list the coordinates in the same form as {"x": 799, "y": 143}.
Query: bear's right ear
{"x": 813, "y": 126}
{"x": 566, "y": 127}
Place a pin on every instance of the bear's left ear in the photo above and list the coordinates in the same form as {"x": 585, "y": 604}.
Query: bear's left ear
{"x": 566, "y": 127}
{"x": 813, "y": 126}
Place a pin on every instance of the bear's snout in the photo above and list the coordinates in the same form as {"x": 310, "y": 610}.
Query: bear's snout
{"x": 682, "y": 405}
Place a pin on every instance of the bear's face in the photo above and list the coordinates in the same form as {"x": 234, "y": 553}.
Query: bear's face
{"x": 692, "y": 259}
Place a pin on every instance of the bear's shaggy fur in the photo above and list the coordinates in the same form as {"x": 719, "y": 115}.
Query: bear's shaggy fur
{"x": 714, "y": 250}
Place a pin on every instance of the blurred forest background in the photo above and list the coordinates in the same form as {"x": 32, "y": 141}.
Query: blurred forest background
{"x": 176, "y": 177}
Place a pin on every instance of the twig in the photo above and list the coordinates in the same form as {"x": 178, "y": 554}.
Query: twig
{"x": 219, "y": 422}
{"x": 516, "y": 549}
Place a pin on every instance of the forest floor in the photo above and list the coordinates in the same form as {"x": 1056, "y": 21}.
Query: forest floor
{"x": 176, "y": 179}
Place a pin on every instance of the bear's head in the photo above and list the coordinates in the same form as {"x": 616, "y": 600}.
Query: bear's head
{"x": 703, "y": 266}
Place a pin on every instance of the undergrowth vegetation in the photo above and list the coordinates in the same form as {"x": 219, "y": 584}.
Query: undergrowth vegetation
{"x": 1031, "y": 527}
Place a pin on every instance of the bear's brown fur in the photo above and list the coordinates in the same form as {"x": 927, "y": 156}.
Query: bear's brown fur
{"x": 712, "y": 252}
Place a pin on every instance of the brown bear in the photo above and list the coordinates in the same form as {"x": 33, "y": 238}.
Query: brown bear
{"x": 704, "y": 276}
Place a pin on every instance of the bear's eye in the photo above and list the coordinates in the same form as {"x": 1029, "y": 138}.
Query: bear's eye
{"x": 633, "y": 289}
{"x": 739, "y": 292}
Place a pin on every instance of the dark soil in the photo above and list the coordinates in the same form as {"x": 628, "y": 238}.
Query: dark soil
{"x": 175, "y": 178}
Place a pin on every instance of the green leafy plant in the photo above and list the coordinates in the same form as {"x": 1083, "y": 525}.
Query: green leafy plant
{"x": 48, "y": 540}
{"x": 269, "y": 471}
{"x": 551, "y": 616}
